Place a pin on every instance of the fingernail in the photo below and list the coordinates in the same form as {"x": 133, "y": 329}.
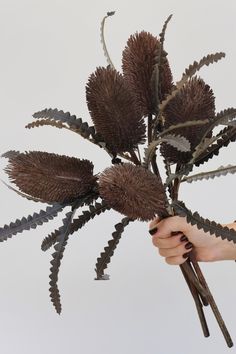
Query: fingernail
{"x": 153, "y": 231}
{"x": 188, "y": 245}
{"x": 174, "y": 233}
{"x": 185, "y": 255}
{"x": 183, "y": 238}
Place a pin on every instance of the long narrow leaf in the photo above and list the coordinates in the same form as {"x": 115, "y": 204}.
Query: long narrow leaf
{"x": 105, "y": 256}
{"x": 221, "y": 171}
{"x": 31, "y": 222}
{"x": 102, "y": 37}
{"x": 56, "y": 260}
{"x": 76, "y": 124}
{"x": 225, "y": 136}
{"x": 77, "y": 223}
{"x": 189, "y": 72}
{"x": 208, "y": 226}
{"x": 177, "y": 141}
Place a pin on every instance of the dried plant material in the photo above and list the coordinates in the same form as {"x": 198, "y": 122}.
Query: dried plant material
{"x": 75, "y": 124}
{"x": 51, "y": 177}
{"x": 208, "y": 226}
{"x": 105, "y": 51}
{"x": 189, "y": 73}
{"x": 224, "y": 137}
{"x": 113, "y": 110}
{"x": 178, "y": 142}
{"x": 140, "y": 58}
{"x": 133, "y": 191}
{"x": 43, "y": 122}
{"x": 183, "y": 123}
{"x": 56, "y": 261}
{"x": 105, "y": 256}
{"x": 221, "y": 171}
{"x": 77, "y": 223}
{"x": 194, "y": 102}
{"x": 31, "y": 222}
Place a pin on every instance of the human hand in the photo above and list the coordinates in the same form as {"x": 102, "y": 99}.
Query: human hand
{"x": 175, "y": 248}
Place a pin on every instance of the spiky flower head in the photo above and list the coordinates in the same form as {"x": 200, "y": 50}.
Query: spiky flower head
{"x": 133, "y": 191}
{"x": 51, "y": 177}
{"x": 113, "y": 110}
{"x": 195, "y": 101}
{"x": 140, "y": 58}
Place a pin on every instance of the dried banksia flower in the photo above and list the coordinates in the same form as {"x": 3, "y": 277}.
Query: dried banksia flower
{"x": 51, "y": 177}
{"x": 139, "y": 59}
{"x": 113, "y": 110}
{"x": 195, "y": 101}
{"x": 133, "y": 191}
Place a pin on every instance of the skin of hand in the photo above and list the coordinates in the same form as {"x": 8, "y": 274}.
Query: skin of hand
{"x": 175, "y": 248}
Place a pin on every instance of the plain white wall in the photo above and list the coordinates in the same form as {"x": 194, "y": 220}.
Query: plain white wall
{"x": 48, "y": 50}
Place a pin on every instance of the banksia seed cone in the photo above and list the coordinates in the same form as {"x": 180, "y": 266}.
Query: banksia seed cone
{"x": 139, "y": 59}
{"x": 51, "y": 177}
{"x": 195, "y": 101}
{"x": 133, "y": 191}
{"x": 113, "y": 110}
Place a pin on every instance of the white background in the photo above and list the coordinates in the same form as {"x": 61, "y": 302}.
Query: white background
{"x": 47, "y": 51}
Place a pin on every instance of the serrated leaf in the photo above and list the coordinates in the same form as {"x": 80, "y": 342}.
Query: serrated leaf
{"x": 177, "y": 141}
{"x": 105, "y": 256}
{"x": 204, "y": 224}
{"x": 62, "y": 239}
{"x": 74, "y": 123}
{"x": 189, "y": 72}
{"x": 225, "y": 136}
{"x": 30, "y": 222}
{"x": 77, "y": 223}
{"x": 220, "y": 171}
{"x": 42, "y": 122}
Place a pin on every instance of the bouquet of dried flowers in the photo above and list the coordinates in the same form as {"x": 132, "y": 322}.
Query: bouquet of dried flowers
{"x": 139, "y": 106}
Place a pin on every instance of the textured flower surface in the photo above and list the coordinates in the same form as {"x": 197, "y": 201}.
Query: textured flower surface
{"x": 114, "y": 111}
{"x": 140, "y": 57}
{"x": 133, "y": 191}
{"x": 195, "y": 101}
{"x": 51, "y": 177}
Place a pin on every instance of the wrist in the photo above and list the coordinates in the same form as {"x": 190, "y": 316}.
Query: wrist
{"x": 227, "y": 249}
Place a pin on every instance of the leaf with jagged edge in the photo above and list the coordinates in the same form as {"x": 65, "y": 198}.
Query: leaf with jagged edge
{"x": 177, "y": 141}
{"x": 155, "y": 74}
{"x": 105, "y": 256}
{"x": 77, "y": 223}
{"x": 74, "y": 123}
{"x": 225, "y": 137}
{"x": 189, "y": 72}
{"x": 204, "y": 224}
{"x": 43, "y": 122}
{"x": 222, "y": 117}
{"x": 102, "y": 38}
{"x": 62, "y": 239}
{"x": 220, "y": 171}
{"x": 31, "y": 222}
{"x": 57, "y": 256}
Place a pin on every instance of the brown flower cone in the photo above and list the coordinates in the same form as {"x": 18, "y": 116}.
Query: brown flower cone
{"x": 195, "y": 101}
{"x": 133, "y": 191}
{"x": 139, "y": 59}
{"x": 113, "y": 110}
{"x": 51, "y": 177}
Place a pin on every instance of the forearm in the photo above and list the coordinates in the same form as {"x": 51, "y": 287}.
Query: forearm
{"x": 228, "y": 248}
